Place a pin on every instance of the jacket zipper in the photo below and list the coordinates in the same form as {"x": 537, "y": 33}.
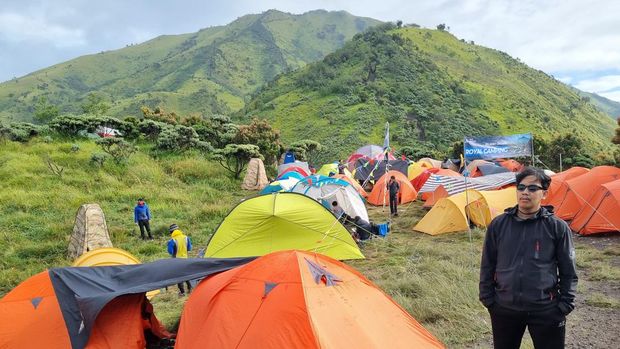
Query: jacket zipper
{"x": 537, "y": 249}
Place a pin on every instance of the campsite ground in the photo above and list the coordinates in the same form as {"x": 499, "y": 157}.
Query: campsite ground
{"x": 435, "y": 278}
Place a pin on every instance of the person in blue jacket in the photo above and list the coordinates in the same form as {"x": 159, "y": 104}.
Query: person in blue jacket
{"x": 289, "y": 157}
{"x": 142, "y": 216}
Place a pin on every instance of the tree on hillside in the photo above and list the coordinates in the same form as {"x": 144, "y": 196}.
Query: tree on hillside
{"x": 572, "y": 150}
{"x": 616, "y": 139}
{"x": 44, "y": 111}
{"x": 216, "y": 129}
{"x": 119, "y": 149}
{"x": 95, "y": 105}
{"x": 181, "y": 138}
{"x": 306, "y": 150}
{"x": 235, "y": 157}
{"x": 259, "y": 132}
{"x": 441, "y": 26}
{"x": 159, "y": 114}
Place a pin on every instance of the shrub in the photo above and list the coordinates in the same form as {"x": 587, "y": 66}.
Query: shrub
{"x": 180, "y": 138}
{"x": 234, "y": 157}
{"x": 19, "y": 131}
{"x": 151, "y": 129}
{"x": 70, "y": 125}
{"x": 119, "y": 149}
{"x": 98, "y": 159}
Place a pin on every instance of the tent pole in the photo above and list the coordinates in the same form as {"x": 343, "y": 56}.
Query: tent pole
{"x": 467, "y": 194}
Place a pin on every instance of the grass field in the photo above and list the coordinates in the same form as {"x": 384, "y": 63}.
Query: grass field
{"x": 435, "y": 278}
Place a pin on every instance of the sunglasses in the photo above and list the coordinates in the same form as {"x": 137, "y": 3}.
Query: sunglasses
{"x": 532, "y": 188}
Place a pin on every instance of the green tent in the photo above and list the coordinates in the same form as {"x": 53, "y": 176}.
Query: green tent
{"x": 281, "y": 221}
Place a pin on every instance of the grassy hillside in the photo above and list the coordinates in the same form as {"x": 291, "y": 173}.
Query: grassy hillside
{"x": 37, "y": 208}
{"x": 606, "y": 105}
{"x": 433, "y": 89}
{"x": 211, "y": 71}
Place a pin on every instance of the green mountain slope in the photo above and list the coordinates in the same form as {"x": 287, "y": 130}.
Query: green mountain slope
{"x": 433, "y": 89}
{"x": 211, "y": 71}
{"x": 606, "y": 105}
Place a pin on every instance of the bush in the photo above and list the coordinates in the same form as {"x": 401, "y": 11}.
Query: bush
{"x": 234, "y": 157}
{"x": 151, "y": 129}
{"x": 181, "y": 138}
{"x": 98, "y": 159}
{"x": 19, "y": 131}
{"x": 70, "y": 125}
{"x": 119, "y": 149}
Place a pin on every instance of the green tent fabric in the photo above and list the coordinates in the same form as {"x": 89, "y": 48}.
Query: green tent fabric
{"x": 281, "y": 221}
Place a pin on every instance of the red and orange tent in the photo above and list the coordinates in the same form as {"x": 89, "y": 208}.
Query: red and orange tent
{"x": 295, "y": 299}
{"x": 601, "y": 213}
{"x": 95, "y": 307}
{"x": 435, "y": 195}
{"x": 576, "y": 191}
{"x": 379, "y": 195}
{"x": 553, "y": 198}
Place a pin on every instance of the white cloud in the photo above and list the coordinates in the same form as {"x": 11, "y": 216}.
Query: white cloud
{"x": 19, "y": 28}
{"x": 565, "y": 79}
{"x": 600, "y": 84}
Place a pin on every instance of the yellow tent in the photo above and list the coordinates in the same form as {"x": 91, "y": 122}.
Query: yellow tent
{"x": 281, "y": 221}
{"x": 491, "y": 204}
{"x": 414, "y": 170}
{"x": 326, "y": 169}
{"x": 429, "y": 163}
{"x": 105, "y": 256}
{"x": 449, "y": 214}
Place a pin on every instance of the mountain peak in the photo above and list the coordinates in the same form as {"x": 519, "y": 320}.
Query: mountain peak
{"x": 214, "y": 70}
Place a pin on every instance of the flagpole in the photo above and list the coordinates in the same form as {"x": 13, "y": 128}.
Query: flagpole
{"x": 386, "y": 147}
{"x": 466, "y": 191}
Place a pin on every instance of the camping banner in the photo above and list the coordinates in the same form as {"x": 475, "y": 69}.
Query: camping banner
{"x": 494, "y": 147}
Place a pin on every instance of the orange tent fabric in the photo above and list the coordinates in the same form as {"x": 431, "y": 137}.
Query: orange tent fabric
{"x": 354, "y": 183}
{"x": 379, "y": 192}
{"x": 36, "y": 320}
{"x": 420, "y": 179}
{"x": 553, "y": 193}
{"x": 601, "y": 213}
{"x": 579, "y": 189}
{"x": 512, "y": 165}
{"x": 295, "y": 299}
{"x": 439, "y": 193}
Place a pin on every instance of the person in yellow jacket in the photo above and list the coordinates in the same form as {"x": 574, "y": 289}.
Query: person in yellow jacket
{"x": 178, "y": 246}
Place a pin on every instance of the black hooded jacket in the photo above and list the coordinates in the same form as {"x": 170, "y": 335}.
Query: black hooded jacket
{"x": 528, "y": 265}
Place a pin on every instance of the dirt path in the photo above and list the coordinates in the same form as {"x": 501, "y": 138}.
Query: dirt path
{"x": 595, "y": 323}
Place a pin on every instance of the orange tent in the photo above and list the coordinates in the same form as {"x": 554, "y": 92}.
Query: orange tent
{"x": 576, "y": 191}
{"x": 379, "y": 195}
{"x": 512, "y": 165}
{"x": 439, "y": 193}
{"x": 553, "y": 198}
{"x": 36, "y": 320}
{"x": 295, "y": 299}
{"x": 600, "y": 213}
{"x": 420, "y": 179}
{"x": 354, "y": 183}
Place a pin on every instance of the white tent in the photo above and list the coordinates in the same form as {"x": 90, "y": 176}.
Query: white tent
{"x": 326, "y": 190}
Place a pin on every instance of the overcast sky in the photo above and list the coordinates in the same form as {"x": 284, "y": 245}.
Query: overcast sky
{"x": 576, "y": 41}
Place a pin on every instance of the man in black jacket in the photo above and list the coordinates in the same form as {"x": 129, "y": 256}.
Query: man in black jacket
{"x": 527, "y": 274}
